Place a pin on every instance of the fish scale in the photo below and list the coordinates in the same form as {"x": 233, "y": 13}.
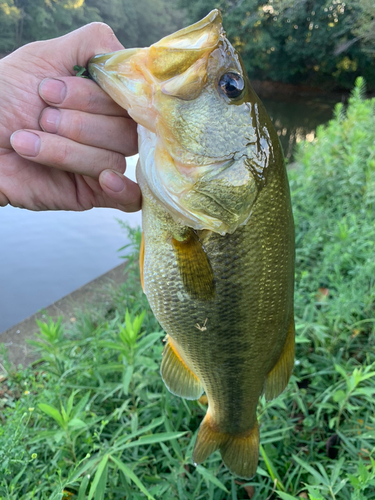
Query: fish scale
{"x": 217, "y": 253}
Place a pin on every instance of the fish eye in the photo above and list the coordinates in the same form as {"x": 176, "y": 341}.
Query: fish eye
{"x": 232, "y": 84}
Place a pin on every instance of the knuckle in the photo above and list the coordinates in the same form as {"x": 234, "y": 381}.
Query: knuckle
{"x": 115, "y": 161}
{"x": 61, "y": 154}
{"x": 76, "y": 127}
{"x": 91, "y": 100}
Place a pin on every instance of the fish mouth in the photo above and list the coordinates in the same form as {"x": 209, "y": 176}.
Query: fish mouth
{"x": 169, "y": 56}
{"x": 132, "y": 77}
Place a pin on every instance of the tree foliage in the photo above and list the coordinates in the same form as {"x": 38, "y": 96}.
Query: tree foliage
{"x": 365, "y": 27}
{"x": 318, "y": 42}
{"x": 315, "y": 42}
{"x": 135, "y": 23}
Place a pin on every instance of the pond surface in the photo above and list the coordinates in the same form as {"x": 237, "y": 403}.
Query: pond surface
{"x": 46, "y": 255}
{"x": 296, "y": 120}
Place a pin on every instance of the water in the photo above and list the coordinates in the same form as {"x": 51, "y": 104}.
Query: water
{"x": 297, "y": 119}
{"x": 46, "y": 255}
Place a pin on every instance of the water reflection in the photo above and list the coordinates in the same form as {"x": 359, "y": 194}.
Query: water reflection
{"x": 46, "y": 255}
{"x": 297, "y": 120}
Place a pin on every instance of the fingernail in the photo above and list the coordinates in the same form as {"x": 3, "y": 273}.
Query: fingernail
{"x": 25, "y": 143}
{"x": 52, "y": 90}
{"x": 50, "y": 120}
{"x": 113, "y": 181}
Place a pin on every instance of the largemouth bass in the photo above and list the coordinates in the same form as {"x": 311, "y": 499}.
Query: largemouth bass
{"x": 217, "y": 256}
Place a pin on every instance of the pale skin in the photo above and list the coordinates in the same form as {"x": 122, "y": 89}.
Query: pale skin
{"x": 63, "y": 141}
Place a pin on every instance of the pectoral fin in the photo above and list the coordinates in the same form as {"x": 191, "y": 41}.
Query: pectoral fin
{"x": 278, "y": 378}
{"x": 194, "y": 266}
{"x": 177, "y": 376}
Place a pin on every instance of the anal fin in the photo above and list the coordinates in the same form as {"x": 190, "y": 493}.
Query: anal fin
{"x": 279, "y": 376}
{"x": 240, "y": 452}
{"x": 177, "y": 376}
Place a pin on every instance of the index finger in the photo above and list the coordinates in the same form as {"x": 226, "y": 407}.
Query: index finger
{"x": 81, "y": 94}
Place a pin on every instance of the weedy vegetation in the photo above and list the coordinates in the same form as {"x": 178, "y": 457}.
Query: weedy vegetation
{"x": 94, "y": 420}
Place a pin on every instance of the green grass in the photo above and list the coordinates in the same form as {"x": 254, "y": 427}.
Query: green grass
{"x": 94, "y": 421}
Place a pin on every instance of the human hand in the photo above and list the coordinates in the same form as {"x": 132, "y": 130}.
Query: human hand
{"x": 62, "y": 139}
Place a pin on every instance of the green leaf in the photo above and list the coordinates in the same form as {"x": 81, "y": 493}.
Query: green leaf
{"x": 313, "y": 494}
{"x": 147, "y": 341}
{"x": 210, "y": 477}
{"x": 84, "y": 468}
{"x": 143, "y": 430}
{"x": 52, "y": 412}
{"x": 70, "y": 403}
{"x": 64, "y": 414}
{"x": 77, "y": 423}
{"x": 83, "y": 488}
{"x": 137, "y": 323}
{"x": 80, "y": 70}
{"x": 79, "y": 407}
{"x": 102, "y": 468}
{"x": 339, "y": 396}
{"x": 100, "y": 489}
{"x": 127, "y": 379}
{"x": 58, "y": 436}
{"x": 116, "y": 346}
{"x": 271, "y": 469}
{"x": 285, "y": 496}
{"x": 311, "y": 470}
{"x": 341, "y": 371}
{"x": 157, "y": 438}
{"x": 111, "y": 367}
{"x": 130, "y": 474}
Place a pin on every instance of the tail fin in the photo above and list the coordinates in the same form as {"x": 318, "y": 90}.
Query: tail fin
{"x": 240, "y": 453}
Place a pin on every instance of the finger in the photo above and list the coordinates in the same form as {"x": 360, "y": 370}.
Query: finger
{"x": 65, "y": 154}
{"x": 122, "y": 191}
{"x": 113, "y": 133}
{"x": 71, "y": 92}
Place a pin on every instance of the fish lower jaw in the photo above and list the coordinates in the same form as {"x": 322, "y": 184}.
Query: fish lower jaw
{"x": 180, "y": 195}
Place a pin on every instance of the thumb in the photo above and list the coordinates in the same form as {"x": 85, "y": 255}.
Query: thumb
{"x": 88, "y": 41}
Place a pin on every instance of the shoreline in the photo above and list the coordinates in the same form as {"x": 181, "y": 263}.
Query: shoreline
{"x": 94, "y": 293}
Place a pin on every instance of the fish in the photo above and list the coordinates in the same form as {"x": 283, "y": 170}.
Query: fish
{"x": 217, "y": 252}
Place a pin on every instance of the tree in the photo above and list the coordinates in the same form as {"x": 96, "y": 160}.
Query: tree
{"x": 10, "y": 16}
{"x": 137, "y": 23}
{"x": 364, "y": 28}
{"x": 296, "y": 41}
